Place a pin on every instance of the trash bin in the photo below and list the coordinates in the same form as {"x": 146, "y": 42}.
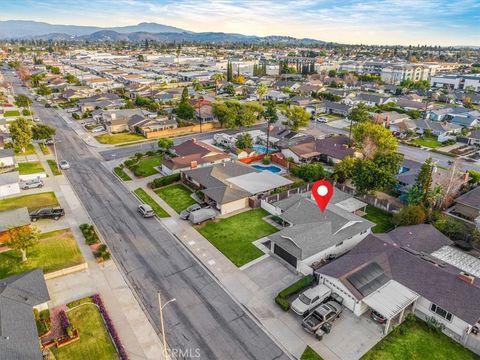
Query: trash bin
{"x": 319, "y": 334}
{"x": 327, "y": 327}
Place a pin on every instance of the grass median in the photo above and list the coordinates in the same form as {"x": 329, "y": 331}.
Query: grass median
{"x": 146, "y": 199}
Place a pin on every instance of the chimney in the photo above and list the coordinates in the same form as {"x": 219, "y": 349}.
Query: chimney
{"x": 193, "y": 164}
{"x": 469, "y": 279}
{"x": 194, "y": 140}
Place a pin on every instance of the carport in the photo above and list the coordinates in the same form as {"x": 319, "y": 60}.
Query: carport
{"x": 392, "y": 300}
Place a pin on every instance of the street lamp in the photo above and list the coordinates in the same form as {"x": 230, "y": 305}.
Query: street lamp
{"x": 162, "y": 325}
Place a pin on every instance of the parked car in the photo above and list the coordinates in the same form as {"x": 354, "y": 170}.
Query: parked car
{"x": 98, "y": 129}
{"x": 201, "y": 215}
{"x": 310, "y": 299}
{"x": 322, "y": 120}
{"x": 49, "y": 141}
{"x": 146, "y": 210}
{"x": 325, "y": 313}
{"x": 64, "y": 164}
{"x": 36, "y": 119}
{"x": 377, "y": 317}
{"x": 31, "y": 184}
{"x": 47, "y": 213}
{"x": 47, "y": 105}
{"x": 186, "y": 213}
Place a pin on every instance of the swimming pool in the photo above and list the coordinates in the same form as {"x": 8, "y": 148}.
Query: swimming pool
{"x": 272, "y": 168}
{"x": 262, "y": 149}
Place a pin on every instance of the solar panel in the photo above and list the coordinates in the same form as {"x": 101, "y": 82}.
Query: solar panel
{"x": 368, "y": 279}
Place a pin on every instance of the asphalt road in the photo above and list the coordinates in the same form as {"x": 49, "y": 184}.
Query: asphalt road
{"x": 204, "y": 322}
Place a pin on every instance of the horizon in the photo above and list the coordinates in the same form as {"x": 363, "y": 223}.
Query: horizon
{"x": 430, "y": 22}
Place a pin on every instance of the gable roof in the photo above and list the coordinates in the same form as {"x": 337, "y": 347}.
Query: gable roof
{"x": 14, "y": 218}
{"x": 335, "y": 147}
{"x": 471, "y": 198}
{"x": 18, "y": 332}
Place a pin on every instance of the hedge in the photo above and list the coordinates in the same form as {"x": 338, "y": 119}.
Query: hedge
{"x": 164, "y": 181}
{"x": 282, "y": 298}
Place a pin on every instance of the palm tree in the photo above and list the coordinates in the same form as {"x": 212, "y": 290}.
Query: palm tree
{"x": 217, "y": 78}
{"x": 261, "y": 90}
{"x": 270, "y": 114}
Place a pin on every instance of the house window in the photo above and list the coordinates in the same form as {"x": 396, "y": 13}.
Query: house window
{"x": 441, "y": 312}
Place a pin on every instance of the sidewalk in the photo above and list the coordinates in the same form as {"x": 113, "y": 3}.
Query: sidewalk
{"x": 135, "y": 331}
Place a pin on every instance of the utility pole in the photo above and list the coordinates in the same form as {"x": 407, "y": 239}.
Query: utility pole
{"x": 165, "y": 352}
{"x": 55, "y": 152}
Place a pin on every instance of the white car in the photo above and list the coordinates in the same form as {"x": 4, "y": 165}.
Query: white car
{"x": 31, "y": 184}
{"x": 322, "y": 120}
{"x": 64, "y": 164}
{"x": 36, "y": 119}
{"x": 310, "y": 299}
{"x": 98, "y": 129}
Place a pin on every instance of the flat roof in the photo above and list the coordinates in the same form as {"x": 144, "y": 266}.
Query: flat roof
{"x": 259, "y": 182}
{"x": 390, "y": 299}
{"x": 459, "y": 259}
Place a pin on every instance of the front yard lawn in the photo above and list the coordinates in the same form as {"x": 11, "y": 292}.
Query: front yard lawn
{"x": 146, "y": 165}
{"x": 413, "y": 340}
{"x": 121, "y": 173}
{"x": 56, "y": 250}
{"x": 95, "y": 342}
{"x": 29, "y": 150}
{"x": 33, "y": 167}
{"x": 53, "y": 166}
{"x": 310, "y": 354}
{"x": 45, "y": 149}
{"x": 11, "y": 113}
{"x": 115, "y": 139}
{"x": 427, "y": 141}
{"x": 32, "y": 201}
{"x": 149, "y": 201}
{"x": 177, "y": 196}
{"x": 381, "y": 218}
{"x": 233, "y": 236}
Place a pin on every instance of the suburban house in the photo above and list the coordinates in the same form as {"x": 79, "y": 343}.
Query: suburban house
{"x": 443, "y": 130}
{"x": 12, "y": 219}
{"x": 192, "y": 154}
{"x": 277, "y": 96}
{"x": 137, "y": 124}
{"x": 117, "y": 121}
{"x": 408, "y": 104}
{"x": 204, "y": 114}
{"x": 19, "y": 295}
{"x": 467, "y": 120}
{"x": 371, "y": 99}
{"x": 9, "y": 183}
{"x": 467, "y": 207}
{"x": 331, "y": 107}
{"x": 7, "y": 158}
{"x": 229, "y": 186}
{"x": 282, "y": 137}
{"x": 310, "y": 236}
{"x": 474, "y": 138}
{"x": 388, "y": 118}
{"x": 328, "y": 150}
{"x": 412, "y": 269}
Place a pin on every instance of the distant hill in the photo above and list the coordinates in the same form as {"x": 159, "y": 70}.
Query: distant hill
{"x": 22, "y": 29}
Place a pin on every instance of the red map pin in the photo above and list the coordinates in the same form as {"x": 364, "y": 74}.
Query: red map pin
{"x": 322, "y": 191}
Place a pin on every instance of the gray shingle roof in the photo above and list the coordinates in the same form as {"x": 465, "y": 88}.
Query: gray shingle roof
{"x": 18, "y": 332}
{"x": 9, "y": 178}
{"x": 471, "y": 198}
{"x": 14, "y": 218}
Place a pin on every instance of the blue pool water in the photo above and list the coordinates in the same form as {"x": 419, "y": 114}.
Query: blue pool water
{"x": 272, "y": 168}
{"x": 262, "y": 149}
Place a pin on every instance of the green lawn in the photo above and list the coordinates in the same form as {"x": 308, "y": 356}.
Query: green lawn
{"x": 45, "y": 149}
{"x": 146, "y": 166}
{"x": 381, "y": 218}
{"x": 310, "y": 354}
{"x": 413, "y": 340}
{"x": 32, "y": 167}
{"x": 10, "y": 113}
{"x": 30, "y": 150}
{"x": 56, "y": 250}
{"x": 32, "y": 201}
{"x": 121, "y": 173}
{"x": 427, "y": 141}
{"x": 53, "y": 166}
{"x": 149, "y": 201}
{"x": 114, "y": 139}
{"x": 233, "y": 236}
{"x": 177, "y": 196}
{"x": 95, "y": 342}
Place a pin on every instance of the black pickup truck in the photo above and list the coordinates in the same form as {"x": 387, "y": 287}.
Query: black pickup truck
{"x": 47, "y": 213}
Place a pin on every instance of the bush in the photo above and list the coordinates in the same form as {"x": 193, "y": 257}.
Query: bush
{"x": 282, "y": 297}
{"x": 164, "y": 181}
{"x": 89, "y": 233}
{"x": 266, "y": 160}
{"x": 434, "y": 325}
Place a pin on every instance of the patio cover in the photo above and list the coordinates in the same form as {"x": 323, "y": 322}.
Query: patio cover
{"x": 255, "y": 183}
{"x": 351, "y": 204}
{"x": 390, "y": 299}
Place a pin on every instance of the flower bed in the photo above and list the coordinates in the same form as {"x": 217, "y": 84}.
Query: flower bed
{"x": 100, "y": 251}
{"x": 111, "y": 328}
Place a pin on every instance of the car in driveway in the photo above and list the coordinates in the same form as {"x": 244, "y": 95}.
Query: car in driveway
{"x": 325, "y": 313}
{"x": 146, "y": 210}
{"x": 186, "y": 213}
{"x": 47, "y": 213}
{"x": 64, "y": 164}
{"x": 322, "y": 120}
{"x": 36, "y": 119}
{"x": 310, "y": 299}
{"x": 31, "y": 184}
{"x": 377, "y": 317}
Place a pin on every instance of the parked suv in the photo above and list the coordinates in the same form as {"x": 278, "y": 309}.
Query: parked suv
{"x": 47, "y": 213}
{"x": 186, "y": 213}
{"x": 310, "y": 299}
{"x": 325, "y": 313}
{"x": 146, "y": 210}
{"x": 31, "y": 184}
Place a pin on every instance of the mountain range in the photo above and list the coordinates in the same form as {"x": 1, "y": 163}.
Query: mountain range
{"x": 25, "y": 29}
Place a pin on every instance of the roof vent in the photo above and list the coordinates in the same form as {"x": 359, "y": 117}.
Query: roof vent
{"x": 466, "y": 277}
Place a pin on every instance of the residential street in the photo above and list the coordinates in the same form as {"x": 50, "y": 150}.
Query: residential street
{"x": 204, "y": 321}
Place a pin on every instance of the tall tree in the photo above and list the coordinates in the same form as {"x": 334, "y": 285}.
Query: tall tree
{"x": 21, "y": 134}
{"x": 297, "y": 117}
{"x": 371, "y": 139}
{"x": 23, "y": 101}
{"x": 42, "y": 132}
{"x": 271, "y": 116}
{"x": 22, "y": 238}
{"x": 261, "y": 91}
{"x": 360, "y": 113}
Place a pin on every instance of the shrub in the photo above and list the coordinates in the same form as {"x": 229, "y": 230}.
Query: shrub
{"x": 434, "y": 325}
{"x": 164, "y": 181}
{"x": 282, "y": 297}
{"x": 266, "y": 160}
{"x": 89, "y": 233}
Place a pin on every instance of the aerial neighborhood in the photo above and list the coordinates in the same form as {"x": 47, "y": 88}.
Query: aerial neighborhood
{"x": 136, "y": 174}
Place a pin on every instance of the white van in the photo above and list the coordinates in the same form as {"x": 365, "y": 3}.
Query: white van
{"x": 309, "y": 299}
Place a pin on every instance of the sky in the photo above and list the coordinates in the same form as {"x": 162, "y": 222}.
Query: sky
{"x": 403, "y": 22}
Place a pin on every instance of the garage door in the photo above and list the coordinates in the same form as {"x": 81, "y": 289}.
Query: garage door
{"x": 292, "y": 260}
